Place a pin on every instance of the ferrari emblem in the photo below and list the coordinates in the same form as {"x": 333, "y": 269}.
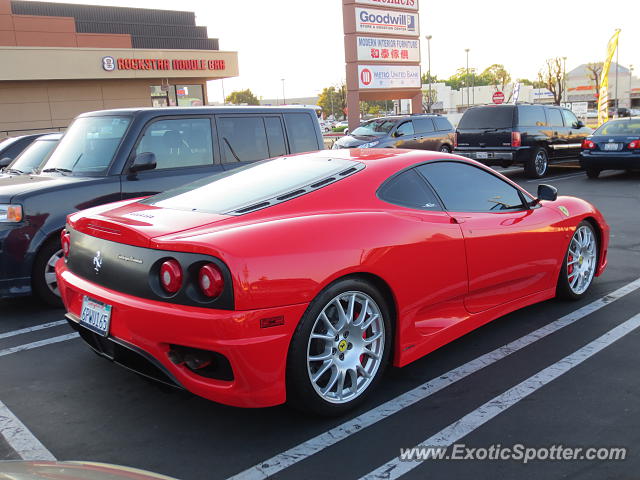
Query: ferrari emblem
{"x": 564, "y": 210}
{"x": 342, "y": 346}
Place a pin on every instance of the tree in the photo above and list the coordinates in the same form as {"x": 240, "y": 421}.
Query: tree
{"x": 333, "y": 100}
{"x": 595, "y": 69}
{"x": 497, "y": 76}
{"x": 552, "y": 77}
{"x": 534, "y": 83}
{"x": 242, "y": 96}
{"x": 460, "y": 79}
{"x": 425, "y": 78}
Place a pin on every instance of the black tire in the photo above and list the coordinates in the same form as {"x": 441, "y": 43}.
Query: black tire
{"x": 538, "y": 164}
{"x": 301, "y": 393}
{"x": 40, "y": 268}
{"x": 563, "y": 289}
{"x": 445, "y": 148}
{"x": 593, "y": 172}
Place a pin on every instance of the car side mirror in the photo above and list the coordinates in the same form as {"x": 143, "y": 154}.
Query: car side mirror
{"x": 5, "y": 162}
{"x": 143, "y": 161}
{"x": 547, "y": 192}
{"x": 398, "y": 133}
{"x": 579, "y": 124}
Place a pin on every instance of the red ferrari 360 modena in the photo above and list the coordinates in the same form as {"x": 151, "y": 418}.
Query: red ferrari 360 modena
{"x": 300, "y": 278}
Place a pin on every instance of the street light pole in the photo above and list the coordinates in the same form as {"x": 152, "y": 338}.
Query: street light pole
{"x": 630, "y": 77}
{"x": 429, "y": 102}
{"x": 224, "y": 100}
{"x": 615, "y": 113}
{"x": 467, "y": 82}
{"x": 284, "y": 99}
{"x": 564, "y": 79}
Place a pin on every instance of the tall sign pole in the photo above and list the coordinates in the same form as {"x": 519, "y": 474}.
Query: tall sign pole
{"x": 382, "y": 52}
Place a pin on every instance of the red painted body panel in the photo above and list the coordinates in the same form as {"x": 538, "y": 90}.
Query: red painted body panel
{"x": 447, "y": 273}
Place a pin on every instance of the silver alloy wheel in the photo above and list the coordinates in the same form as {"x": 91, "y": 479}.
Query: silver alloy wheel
{"x": 581, "y": 260}
{"x": 444, "y": 149}
{"x": 50, "y": 278}
{"x": 346, "y": 346}
{"x": 541, "y": 163}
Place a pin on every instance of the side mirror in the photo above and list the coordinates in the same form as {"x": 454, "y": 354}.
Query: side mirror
{"x": 398, "y": 133}
{"x": 547, "y": 192}
{"x": 579, "y": 124}
{"x": 5, "y": 162}
{"x": 143, "y": 161}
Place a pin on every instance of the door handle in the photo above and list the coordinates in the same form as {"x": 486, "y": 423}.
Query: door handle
{"x": 459, "y": 219}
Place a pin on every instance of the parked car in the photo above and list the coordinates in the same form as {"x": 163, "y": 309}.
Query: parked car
{"x": 296, "y": 278}
{"x": 33, "y": 156}
{"x": 11, "y": 147}
{"x": 424, "y": 132}
{"x": 116, "y": 154}
{"x": 615, "y": 145}
{"x": 524, "y": 134}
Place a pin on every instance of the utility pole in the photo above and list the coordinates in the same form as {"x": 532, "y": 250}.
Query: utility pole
{"x": 284, "y": 99}
{"x": 224, "y": 99}
{"x": 615, "y": 113}
{"x": 467, "y": 82}
{"x": 564, "y": 79}
{"x": 630, "y": 78}
{"x": 429, "y": 102}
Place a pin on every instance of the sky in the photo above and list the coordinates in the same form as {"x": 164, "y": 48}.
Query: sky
{"x": 302, "y": 40}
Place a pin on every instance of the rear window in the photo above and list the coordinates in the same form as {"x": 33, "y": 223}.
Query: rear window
{"x": 301, "y": 129}
{"x": 423, "y": 125}
{"x": 619, "y": 127}
{"x": 256, "y": 186}
{"x": 555, "y": 117}
{"x": 487, "y": 117}
{"x": 442, "y": 124}
{"x": 529, "y": 116}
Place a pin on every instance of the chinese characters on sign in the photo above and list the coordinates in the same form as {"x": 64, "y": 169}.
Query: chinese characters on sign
{"x": 388, "y": 49}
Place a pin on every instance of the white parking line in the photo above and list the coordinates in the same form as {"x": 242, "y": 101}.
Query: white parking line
{"x": 558, "y": 178}
{"x": 481, "y": 415}
{"x": 41, "y": 343}
{"x": 32, "y": 329}
{"x": 23, "y": 442}
{"x": 318, "y": 443}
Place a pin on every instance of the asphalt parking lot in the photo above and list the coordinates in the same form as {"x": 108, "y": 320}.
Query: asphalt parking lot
{"x": 555, "y": 373}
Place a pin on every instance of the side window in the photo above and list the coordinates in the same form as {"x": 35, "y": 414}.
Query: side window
{"x": 554, "y": 117}
{"x": 570, "y": 120}
{"x": 301, "y": 129}
{"x": 465, "y": 188}
{"x": 442, "y": 124}
{"x": 275, "y": 136}
{"x": 409, "y": 190}
{"x": 406, "y": 128}
{"x": 178, "y": 142}
{"x": 242, "y": 139}
{"x": 529, "y": 116}
{"x": 16, "y": 149}
{"x": 423, "y": 125}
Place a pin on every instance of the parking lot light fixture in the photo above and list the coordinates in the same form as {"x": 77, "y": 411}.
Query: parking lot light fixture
{"x": 429, "y": 102}
{"x": 467, "y": 79}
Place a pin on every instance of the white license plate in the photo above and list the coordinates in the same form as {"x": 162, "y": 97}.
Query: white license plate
{"x": 96, "y": 316}
{"x": 612, "y": 146}
{"x": 482, "y": 155}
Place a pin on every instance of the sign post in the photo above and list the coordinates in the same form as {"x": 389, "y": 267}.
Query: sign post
{"x": 382, "y": 52}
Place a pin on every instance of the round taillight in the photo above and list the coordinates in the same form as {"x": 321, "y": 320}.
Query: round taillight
{"x": 171, "y": 276}
{"x": 66, "y": 244}
{"x": 210, "y": 280}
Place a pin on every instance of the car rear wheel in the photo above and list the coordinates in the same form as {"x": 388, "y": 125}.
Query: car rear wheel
{"x": 43, "y": 277}
{"x": 593, "y": 172}
{"x": 340, "y": 348}
{"x": 538, "y": 164}
{"x": 445, "y": 149}
{"x": 580, "y": 263}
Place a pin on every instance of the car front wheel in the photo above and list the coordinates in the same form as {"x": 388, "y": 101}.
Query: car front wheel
{"x": 340, "y": 348}
{"x": 43, "y": 279}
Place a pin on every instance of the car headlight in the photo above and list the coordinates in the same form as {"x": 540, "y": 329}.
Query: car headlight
{"x": 370, "y": 144}
{"x": 10, "y": 213}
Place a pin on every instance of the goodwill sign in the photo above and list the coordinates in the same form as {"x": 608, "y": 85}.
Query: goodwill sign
{"x": 388, "y": 76}
{"x": 369, "y": 20}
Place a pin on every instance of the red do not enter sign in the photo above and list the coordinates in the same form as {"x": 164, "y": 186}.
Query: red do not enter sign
{"x": 498, "y": 97}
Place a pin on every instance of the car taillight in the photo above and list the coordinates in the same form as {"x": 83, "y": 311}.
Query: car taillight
{"x": 65, "y": 240}
{"x": 455, "y": 140}
{"x": 588, "y": 144}
{"x": 516, "y": 139}
{"x": 634, "y": 145}
{"x": 210, "y": 280}
{"x": 171, "y": 276}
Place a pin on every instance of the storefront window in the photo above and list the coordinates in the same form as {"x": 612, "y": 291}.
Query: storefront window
{"x": 163, "y": 96}
{"x": 189, "y": 95}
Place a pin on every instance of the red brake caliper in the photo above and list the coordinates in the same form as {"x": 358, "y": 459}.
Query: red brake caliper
{"x": 570, "y": 267}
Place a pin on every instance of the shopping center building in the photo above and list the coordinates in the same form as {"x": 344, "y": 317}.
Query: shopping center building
{"x": 59, "y": 60}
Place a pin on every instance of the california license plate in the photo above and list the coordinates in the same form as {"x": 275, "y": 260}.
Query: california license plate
{"x": 612, "y": 146}
{"x": 96, "y": 316}
{"x": 482, "y": 155}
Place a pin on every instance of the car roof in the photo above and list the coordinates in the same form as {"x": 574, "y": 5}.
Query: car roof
{"x": 203, "y": 109}
{"x": 50, "y": 136}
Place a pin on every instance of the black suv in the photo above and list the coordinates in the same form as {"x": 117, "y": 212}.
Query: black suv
{"x": 118, "y": 154}
{"x": 529, "y": 135}
{"x": 426, "y": 132}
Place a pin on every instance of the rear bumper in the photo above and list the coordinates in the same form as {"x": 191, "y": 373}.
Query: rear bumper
{"x": 610, "y": 161}
{"x": 494, "y": 157}
{"x": 142, "y": 331}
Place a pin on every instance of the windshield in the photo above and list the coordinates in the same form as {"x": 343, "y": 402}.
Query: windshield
{"x": 87, "y": 148}
{"x": 374, "y": 128}
{"x": 487, "y": 117}
{"x": 619, "y": 127}
{"x": 33, "y": 156}
{"x": 261, "y": 182}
